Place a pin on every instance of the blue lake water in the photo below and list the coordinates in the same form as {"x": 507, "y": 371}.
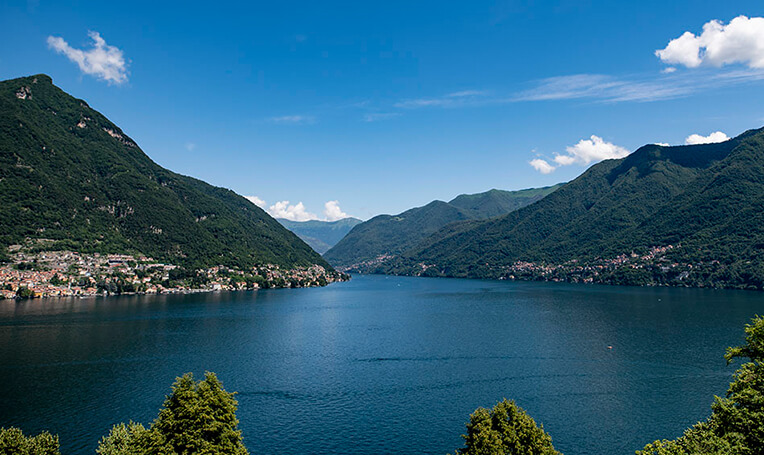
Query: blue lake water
{"x": 380, "y": 364}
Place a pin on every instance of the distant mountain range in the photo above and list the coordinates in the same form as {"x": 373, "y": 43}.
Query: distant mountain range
{"x": 687, "y": 215}
{"x": 71, "y": 179}
{"x": 390, "y": 235}
{"x": 320, "y": 235}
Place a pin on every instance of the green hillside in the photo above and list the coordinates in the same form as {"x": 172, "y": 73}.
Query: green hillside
{"x": 320, "y": 235}
{"x": 70, "y": 176}
{"x": 499, "y": 202}
{"x": 704, "y": 202}
{"x": 386, "y": 235}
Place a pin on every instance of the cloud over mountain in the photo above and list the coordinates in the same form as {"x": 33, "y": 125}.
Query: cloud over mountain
{"x": 298, "y": 212}
{"x": 104, "y": 61}
{"x": 717, "y": 136}
{"x": 585, "y": 152}
{"x": 332, "y": 211}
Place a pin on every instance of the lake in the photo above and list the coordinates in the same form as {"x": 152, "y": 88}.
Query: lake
{"x": 380, "y": 364}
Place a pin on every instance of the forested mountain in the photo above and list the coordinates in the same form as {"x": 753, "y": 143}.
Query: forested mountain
{"x": 386, "y": 235}
{"x": 689, "y": 215}
{"x": 70, "y": 178}
{"x": 321, "y": 235}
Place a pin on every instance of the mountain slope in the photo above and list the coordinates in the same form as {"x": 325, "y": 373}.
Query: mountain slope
{"x": 498, "y": 202}
{"x": 705, "y": 202}
{"x": 386, "y": 235}
{"x": 320, "y": 235}
{"x": 69, "y": 175}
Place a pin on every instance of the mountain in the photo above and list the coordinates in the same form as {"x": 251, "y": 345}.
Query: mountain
{"x": 386, "y": 235}
{"x": 320, "y": 235}
{"x": 687, "y": 215}
{"x": 498, "y": 202}
{"x": 71, "y": 179}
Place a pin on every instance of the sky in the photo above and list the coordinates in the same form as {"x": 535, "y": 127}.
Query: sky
{"x": 331, "y": 109}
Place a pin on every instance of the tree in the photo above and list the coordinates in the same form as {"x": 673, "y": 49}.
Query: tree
{"x": 505, "y": 430}
{"x": 123, "y": 440}
{"x": 736, "y": 424}
{"x": 197, "y": 418}
{"x": 13, "y": 442}
{"x": 24, "y": 292}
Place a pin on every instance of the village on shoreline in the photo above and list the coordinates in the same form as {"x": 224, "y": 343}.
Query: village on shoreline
{"x": 72, "y": 274}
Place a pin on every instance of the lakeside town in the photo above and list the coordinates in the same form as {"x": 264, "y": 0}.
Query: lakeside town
{"x": 73, "y": 274}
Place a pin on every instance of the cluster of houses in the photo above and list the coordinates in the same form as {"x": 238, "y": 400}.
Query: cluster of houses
{"x": 591, "y": 270}
{"x": 69, "y": 273}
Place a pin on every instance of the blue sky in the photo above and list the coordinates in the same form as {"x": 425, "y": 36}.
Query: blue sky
{"x": 388, "y": 105}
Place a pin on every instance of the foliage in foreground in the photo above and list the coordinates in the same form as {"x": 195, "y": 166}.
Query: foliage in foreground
{"x": 736, "y": 424}
{"x": 197, "y": 418}
{"x": 13, "y": 442}
{"x": 505, "y": 430}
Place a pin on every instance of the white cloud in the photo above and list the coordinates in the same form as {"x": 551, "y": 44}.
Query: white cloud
{"x": 607, "y": 88}
{"x": 466, "y": 93}
{"x": 375, "y": 117}
{"x": 717, "y": 136}
{"x": 293, "y": 120}
{"x": 296, "y": 212}
{"x": 103, "y": 61}
{"x": 542, "y": 166}
{"x": 332, "y": 211}
{"x": 256, "y": 200}
{"x": 586, "y": 151}
{"x": 455, "y": 99}
{"x": 190, "y": 146}
{"x": 740, "y": 41}
{"x": 668, "y": 70}
{"x": 663, "y": 144}
{"x": 590, "y": 150}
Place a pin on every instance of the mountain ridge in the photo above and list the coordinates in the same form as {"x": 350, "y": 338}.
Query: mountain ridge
{"x": 71, "y": 176}
{"x": 320, "y": 235}
{"x": 386, "y": 235}
{"x": 699, "y": 205}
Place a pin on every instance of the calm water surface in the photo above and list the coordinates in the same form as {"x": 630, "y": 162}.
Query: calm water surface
{"x": 380, "y": 364}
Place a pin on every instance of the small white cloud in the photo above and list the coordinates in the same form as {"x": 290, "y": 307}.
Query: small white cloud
{"x": 717, "y": 136}
{"x": 256, "y": 200}
{"x": 590, "y": 150}
{"x": 668, "y": 70}
{"x": 466, "y": 93}
{"x": 190, "y": 146}
{"x": 740, "y": 41}
{"x": 296, "y": 212}
{"x": 586, "y": 151}
{"x": 375, "y": 117}
{"x": 663, "y": 144}
{"x": 542, "y": 166}
{"x": 103, "y": 61}
{"x": 455, "y": 99}
{"x": 293, "y": 120}
{"x": 332, "y": 211}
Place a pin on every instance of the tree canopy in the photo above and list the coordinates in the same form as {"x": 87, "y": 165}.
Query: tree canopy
{"x": 13, "y": 442}
{"x": 505, "y": 430}
{"x": 197, "y": 418}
